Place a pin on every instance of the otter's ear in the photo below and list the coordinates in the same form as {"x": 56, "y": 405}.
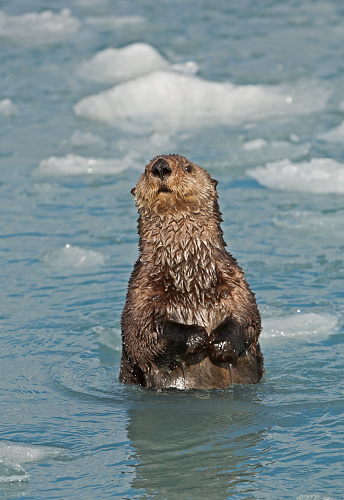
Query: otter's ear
{"x": 214, "y": 182}
{"x": 133, "y": 191}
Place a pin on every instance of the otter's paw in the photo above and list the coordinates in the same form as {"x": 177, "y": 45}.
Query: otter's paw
{"x": 198, "y": 340}
{"x": 222, "y": 351}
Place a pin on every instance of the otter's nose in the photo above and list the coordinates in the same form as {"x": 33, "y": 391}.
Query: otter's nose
{"x": 161, "y": 168}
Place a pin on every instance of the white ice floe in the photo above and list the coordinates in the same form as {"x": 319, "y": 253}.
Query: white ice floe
{"x": 307, "y": 324}
{"x": 81, "y": 139}
{"x": 13, "y": 455}
{"x": 72, "y": 164}
{"x": 336, "y": 134}
{"x": 7, "y": 108}
{"x": 73, "y": 257}
{"x": 35, "y": 28}
{"x": 319, "y": 175}
{"x": 168, "y": 100}
{"x": 117, "y": 65}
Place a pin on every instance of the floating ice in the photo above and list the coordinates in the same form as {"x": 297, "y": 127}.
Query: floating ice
{"x": 36, "y": 28}
{"x": 117, "y": 65}
{"x": 74, "y": 257}
{"x": 72, "y": 164}
{"x": 313, "y": 324}
{"x": 165, "y": 100}
{"x": 319, "y": 175}
{"x": 80, "y": 139}
{"x": 12, "y": 455}
{"x": 334, "y": 135}
{"x": 7, "y": 108}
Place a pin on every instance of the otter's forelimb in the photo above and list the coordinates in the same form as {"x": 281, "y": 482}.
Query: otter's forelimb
{"x": 228, "y": 342}
{"x": 179, "y": 340}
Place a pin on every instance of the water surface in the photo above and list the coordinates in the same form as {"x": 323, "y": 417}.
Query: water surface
{"x": 255, "y": 94}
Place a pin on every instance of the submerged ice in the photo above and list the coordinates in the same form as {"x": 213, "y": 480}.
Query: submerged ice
{"x": 72, "y": 164}
{"x": 73, "y": 257}
{"x": 36, "y": 28}
{"x": 300, "y": 324}
{"x": 12, "y": 456}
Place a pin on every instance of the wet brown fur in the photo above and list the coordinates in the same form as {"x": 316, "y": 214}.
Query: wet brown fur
{"x": 185, "y": 276}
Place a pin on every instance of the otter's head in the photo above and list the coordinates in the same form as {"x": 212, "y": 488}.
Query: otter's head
{"x": 172, "y": 183}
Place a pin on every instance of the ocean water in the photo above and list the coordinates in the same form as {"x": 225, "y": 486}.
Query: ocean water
{"x": 90, "y": 91}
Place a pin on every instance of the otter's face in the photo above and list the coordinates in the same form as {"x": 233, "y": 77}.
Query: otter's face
{"x": 173, "y": 183}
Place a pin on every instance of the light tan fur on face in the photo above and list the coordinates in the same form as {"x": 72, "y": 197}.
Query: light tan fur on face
{"x": 181, "y": 191}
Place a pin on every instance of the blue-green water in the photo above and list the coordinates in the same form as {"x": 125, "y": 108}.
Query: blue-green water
{"x": 252, "y": 91}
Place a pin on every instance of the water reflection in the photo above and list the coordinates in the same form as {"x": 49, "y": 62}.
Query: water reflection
{"x": 197, "y": 445}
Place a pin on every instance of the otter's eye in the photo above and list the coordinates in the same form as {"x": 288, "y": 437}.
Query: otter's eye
{"x": 188, "y": 168}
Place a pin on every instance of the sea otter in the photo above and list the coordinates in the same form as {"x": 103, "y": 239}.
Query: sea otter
{"x": 190, "y": 320}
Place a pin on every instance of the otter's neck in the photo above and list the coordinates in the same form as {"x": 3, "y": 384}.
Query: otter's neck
{"x": 179, "y": 251}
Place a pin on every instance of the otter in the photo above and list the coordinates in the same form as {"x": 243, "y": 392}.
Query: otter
{"x": 190, "y": 320}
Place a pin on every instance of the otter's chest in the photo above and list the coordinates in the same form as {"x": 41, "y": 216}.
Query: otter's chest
{"x": 200, "y": 308}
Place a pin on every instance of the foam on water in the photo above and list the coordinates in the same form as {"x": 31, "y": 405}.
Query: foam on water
{"x": 73, "y": 257}
{"x": 319, "y": 175}
{"x": 72, "y": 164}
{"x": 298, "y": 325}
{"x": 35, "y": 28}
{"x": 13, "y": 455}
{"x": 117, "y": 65}
{"x": 7, "y": 108}
{"x": 163, "y": 99}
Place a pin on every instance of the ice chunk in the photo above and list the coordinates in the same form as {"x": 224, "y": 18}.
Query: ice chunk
{"x": 72, "y": 164}
{"x": 7, "y": 108}
{"x": 73, "y": 256}
{"x": 117, "y": 65}
{"x": 165, "y": 100}
{"x": 319, "y": 175}
{"x": 334, "y": 135}
{"x": 35, "y": 28}
{"x": 313, "y": 324}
